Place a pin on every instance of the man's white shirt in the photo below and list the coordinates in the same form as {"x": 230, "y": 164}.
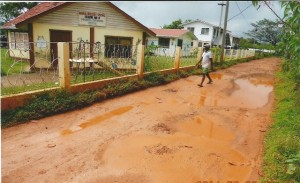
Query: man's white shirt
{"x": 206, "y": 59}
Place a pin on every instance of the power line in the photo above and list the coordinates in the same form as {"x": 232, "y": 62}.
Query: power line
{"x": 239, "y": 13}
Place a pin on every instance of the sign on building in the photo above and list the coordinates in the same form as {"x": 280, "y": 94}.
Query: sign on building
{"x": 92, "y": 18}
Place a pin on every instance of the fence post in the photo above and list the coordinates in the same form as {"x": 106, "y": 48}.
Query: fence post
{"x": 140, "y": 61}
{"x": 224, "y": 54}
{"x": 215, "y": 54}
{"x": 231, "y": 54}
{"x": 237, "y": 54}
{"x": 177, "y": 58}
{"x": 200, "y": 52}
{"x": 63, "y": 65}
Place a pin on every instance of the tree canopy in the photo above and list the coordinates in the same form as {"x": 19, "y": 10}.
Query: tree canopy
{"x": 265, "y": 31}
{"x": 252, "y": 43}
{"x": 174, "y": 25}
{"x": 11, "y": 10}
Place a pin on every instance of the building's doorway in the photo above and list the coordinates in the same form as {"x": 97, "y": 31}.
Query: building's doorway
{"x": 58, "y": 36}
{"x": 179, "y": 43}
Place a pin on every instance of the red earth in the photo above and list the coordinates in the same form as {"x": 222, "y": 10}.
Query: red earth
{"x": 177, "y": 133}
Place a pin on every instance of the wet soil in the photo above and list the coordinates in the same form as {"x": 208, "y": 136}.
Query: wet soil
{"x": 177, "y": 133}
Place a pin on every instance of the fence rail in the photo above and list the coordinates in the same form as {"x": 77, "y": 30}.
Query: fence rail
{"x": 36, "y": 66}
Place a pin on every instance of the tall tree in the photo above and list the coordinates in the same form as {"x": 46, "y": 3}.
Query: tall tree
{"x": 9, "y": 11}
{"x": 174, "y": 25}
{"x": 265, "y": 31}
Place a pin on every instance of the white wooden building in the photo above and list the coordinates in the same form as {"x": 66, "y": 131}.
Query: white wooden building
{"x": 208, "y": 33}
{"x": 168, "y": 39}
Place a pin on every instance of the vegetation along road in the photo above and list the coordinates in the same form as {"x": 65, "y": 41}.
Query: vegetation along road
{"x": 177, "y": 132}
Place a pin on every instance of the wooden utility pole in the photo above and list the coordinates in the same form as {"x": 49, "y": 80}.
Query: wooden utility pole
{"x": 224, "y": 32}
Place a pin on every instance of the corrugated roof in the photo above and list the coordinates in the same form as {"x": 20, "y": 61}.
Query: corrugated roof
{"x": 47, "y": 7}
{"x": 35, "y": 11}
{"x": 169, "y": 32}
{"x": 172, "y": 33}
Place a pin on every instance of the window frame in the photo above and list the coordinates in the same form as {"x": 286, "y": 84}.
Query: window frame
{"x": 19, "y": 40}
{"x": 166, "y": 40}
{"x": 119, "y": 46}
{"x": 191, "y": 29}
{"x": 205, "y": 31}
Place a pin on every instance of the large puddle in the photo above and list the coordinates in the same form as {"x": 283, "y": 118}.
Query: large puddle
{"x": 206, "y": 128}
{"x": 250, "y": 93}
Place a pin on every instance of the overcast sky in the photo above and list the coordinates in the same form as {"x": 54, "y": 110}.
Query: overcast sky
{"x": 155, "y": 14}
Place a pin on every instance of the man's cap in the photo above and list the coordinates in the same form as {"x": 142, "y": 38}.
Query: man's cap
{"x": 207, "y": 46}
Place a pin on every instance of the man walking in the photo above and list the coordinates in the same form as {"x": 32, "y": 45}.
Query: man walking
{"x": 207, "y": 64}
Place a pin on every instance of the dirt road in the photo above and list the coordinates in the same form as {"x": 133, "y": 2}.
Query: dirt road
{"x": 176, "y": 133}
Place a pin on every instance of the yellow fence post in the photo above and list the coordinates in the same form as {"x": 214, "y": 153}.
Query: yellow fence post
{"x": 140, "y": 61}
{"x": 177, "y": 58}
{"x": 231, "y": 54}
{"x": 64, "y": 65}
{"x": 215, "y": 54}
{"x": 200, "y": 52}
{"x": 237, "y": 54}
{"x": 224, "y": 55}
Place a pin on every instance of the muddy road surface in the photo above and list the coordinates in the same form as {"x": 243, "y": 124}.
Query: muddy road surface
{"x": 175, "y": 133}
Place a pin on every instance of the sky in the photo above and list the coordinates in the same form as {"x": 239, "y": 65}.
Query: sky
{"x": 155, "y": 14}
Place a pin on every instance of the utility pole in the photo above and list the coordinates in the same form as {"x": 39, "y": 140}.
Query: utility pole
{"x": 224, "y": 32}
{"x": 219, "y": 29}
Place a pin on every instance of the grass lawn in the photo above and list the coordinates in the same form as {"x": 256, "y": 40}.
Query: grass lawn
{"x": 10, "y": 65}
{"x": 156, "y": 63}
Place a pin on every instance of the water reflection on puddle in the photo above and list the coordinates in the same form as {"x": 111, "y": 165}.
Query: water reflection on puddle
{"x": 251, "y": 93}
{"x": 206, "y": 128}
{"x": 216, "y": 76}
{"x": 204, "y": 100}
{"x": 254, "y": 95}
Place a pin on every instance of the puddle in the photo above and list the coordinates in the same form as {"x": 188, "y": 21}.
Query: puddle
{"x": 206, "y": 128}
{"x": 106, "y": 116}
{"x": 182, "y": 156}
{"x": 204, "y": 101}
{"x": 216, "y": 76}
{"x": 99, "y": 119}
{"x": 252, "y": 95}
{"x": 260, "y": 81}
{"x": 66, "y": 132}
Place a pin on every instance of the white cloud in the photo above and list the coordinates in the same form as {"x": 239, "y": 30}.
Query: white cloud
{"x": 155, "y": 14}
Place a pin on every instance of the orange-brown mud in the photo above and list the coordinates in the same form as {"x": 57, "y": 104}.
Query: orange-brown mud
{"x": 176, "y": 133}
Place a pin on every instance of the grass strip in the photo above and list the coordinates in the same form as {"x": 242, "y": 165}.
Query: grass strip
{"x": 282, "y": 142}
